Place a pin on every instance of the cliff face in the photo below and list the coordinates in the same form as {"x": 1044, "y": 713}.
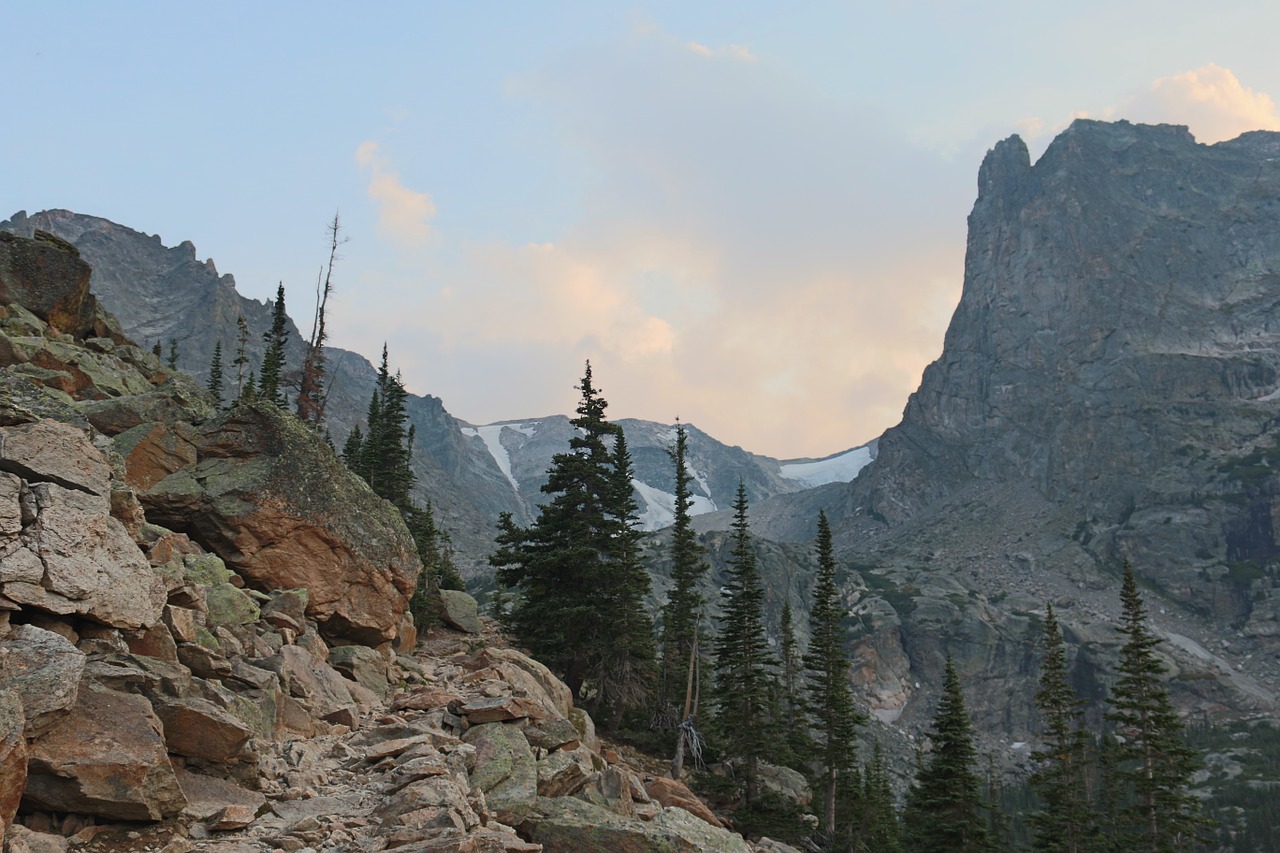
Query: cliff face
{"x": 1109, "y": 388}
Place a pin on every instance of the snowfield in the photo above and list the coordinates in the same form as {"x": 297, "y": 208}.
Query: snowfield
{"x": 841, "y": 468}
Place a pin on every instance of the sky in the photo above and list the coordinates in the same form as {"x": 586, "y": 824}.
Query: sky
{"x": 750, "y": 216}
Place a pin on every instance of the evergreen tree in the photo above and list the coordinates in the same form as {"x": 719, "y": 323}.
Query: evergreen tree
{"x": 353, "y": 449}
{"x": 1151, "y": 758}
{"x": 215, "y": 374}
{"x": 795, "y": 745}
{"x": 385, "y": 451}
{"x": 172, "y": 361}
{"x": 242, "y": 356}
{"x": 745, "y": 670}
{"x": 1066, "y": 822}
{"x": 944, "y": 808}
{"x": 157, "y": 350}
{"x": 878, "y": 830}
{"x": 273, "y": 359}
{"x": 438, "y": 570}
{"x": 681, "y": 669}
{"x": 577, "y": 580}
{"x": 835, "y": 716}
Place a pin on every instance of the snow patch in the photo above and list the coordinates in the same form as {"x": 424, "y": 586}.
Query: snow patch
{"x": 659, "y": 508}
{"x": 491, "y": 435}
{"x": 841, "y": 468}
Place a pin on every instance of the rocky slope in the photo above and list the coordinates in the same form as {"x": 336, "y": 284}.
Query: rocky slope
{"x": 204, "y": 642}
{"x": 1108, "y": 389}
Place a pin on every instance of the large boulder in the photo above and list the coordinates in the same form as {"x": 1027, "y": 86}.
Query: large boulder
{"x": 47, "y": 277}
{"x": 13, "y": 756}
{"x": 569, "y": 825}
{"x": 504, "y": 770}
{"x": 61, "y": 550}
{"x": 43, "y": 669}
{"x": 284, "y": 512}
{"x": 106, "y": 758}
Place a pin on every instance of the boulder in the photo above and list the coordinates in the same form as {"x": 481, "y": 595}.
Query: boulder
{"x": 563, "y": 773}
{"x": 426, "y": 809}
{"x": 362, "y": 665}
{"x": 47, "y": 276}
{"x": 672, "y": 794}
{"x": 200, "y": 729}
{"x": 271, "y": 498}
{"x": 51, "y": 452}
{"x": 207, "y": 796}
{"x": 43, "y": 669}
{"x": 13, "y": 756}
{"x": 316, "y": 683}
{"x": 106, "y": 758}
{"x": 552, "y": 734}
{"x": 569, "y": 825}
{"x": 504, "y": 769}
{"x": 459, "y": 610}
{"x": 91, "y": 565}
{"x": 23, "y": 840}
{"x": 153, "y": 451}
{"x": 528, "y": 678}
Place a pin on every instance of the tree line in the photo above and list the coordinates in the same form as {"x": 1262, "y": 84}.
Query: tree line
{"x": 575, "y": 593}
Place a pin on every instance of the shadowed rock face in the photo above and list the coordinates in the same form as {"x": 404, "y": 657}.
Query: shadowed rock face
{"x": 285, "y": 513}
{"x": 1107, "y": 390}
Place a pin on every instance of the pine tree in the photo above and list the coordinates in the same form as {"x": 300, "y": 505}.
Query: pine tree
{"x": 215, "y": 374}
{"x": 835, "y": 716}
{"x": 878, "y": 830}
{"x": 353, "y": 449}
{"x": 312, "y": 395}
{"x": 273, "y": 359}
{"x": 745, "y": 670}
{"x": 1151, "y": 757}
{"x": 438, "y": 570}
{"x": 157, "y": 350}
{"x": 577, "y": 581}
{"x": 242, "y": 356}
{"x": 682, "y": 643}
{"x": 944, "y": 808}
{"x": 795, "y": 745}
{"x": 382, "y": 455}
{"x": 1066, "y": 822}
{"x": 172, "y": 361}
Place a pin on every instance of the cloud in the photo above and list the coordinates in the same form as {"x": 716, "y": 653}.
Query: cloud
{"x": 764, "y": 264}
{"x": 733, "y": 51}
{"x": 1210, "y": 100}
{"x": 403, "y": 214}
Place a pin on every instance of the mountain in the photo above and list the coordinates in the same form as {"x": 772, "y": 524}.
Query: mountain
{"x": 1108, "y": 389}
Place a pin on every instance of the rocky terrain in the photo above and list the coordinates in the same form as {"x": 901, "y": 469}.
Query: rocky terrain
{"x": 204, "y": 642}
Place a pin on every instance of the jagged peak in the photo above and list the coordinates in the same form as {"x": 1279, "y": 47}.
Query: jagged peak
{"x": 1004, "y": 167}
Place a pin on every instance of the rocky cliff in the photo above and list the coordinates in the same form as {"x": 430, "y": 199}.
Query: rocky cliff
{"x": 1108, "y": 389}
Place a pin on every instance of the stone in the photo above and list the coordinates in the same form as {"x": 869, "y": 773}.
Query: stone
{"x": 22, "y": 840}
{"x": 231, "y": 816}
{"x": 504, "y": 769}
{"x": 200, "y": 729}
{"x": 673, "y": 794}
{"x": 46, "y": 276}
{"x": 51, "y": 452}
{"x": 362, "y": 665}
{"x": 459, "y": 610}
{"x": 786, "y": 783}
{"x": 570, "y": 825}
{"x": 500, "y": 709}
{"x": 153, "y": 451}
{"x": 106, "y": 758}
{"x": 424, "y": 698}
{"x": 207, "y": 795}
{"x": 552, "y": 733}
{"x": 92, "y": 567}
{"x": 317, "y": 684}
{"x": 13, "y": 755}
{"x": 528, "y": 678}
{"x": 181, "y": 622}
{"x": 565, "y": 772}
{"x": 226, "y": 605}
{"x": 285, "y": 513}
{"x": 43, "y": 669}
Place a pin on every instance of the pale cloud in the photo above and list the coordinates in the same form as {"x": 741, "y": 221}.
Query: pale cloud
{"x": 404, "y": 215}
{"x": 1210, "y": 100}
{"x": 732, "y": 51}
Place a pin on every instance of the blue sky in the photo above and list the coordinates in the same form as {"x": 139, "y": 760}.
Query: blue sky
{"x": 748, "y": 215}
